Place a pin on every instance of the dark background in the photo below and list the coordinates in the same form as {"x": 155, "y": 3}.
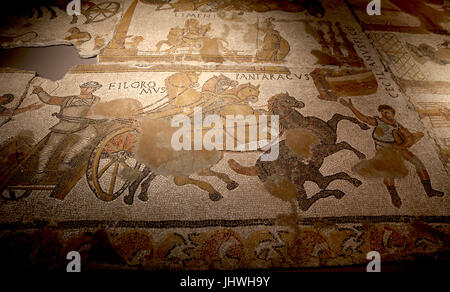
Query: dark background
{"x": 49, "y": 62}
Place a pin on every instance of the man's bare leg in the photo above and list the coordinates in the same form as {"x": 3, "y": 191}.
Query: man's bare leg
{"x": 395, "y": 198}
{"x": 422, "y": 173}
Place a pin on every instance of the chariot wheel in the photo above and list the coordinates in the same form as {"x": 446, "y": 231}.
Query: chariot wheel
{"x": 112, "y": 166}
{"x": 101, "y": 11}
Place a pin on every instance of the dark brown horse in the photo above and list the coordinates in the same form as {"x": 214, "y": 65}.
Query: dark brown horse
{"x": 290, "y": 166}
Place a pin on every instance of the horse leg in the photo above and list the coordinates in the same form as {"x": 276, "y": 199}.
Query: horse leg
{"x": 323, "y": 181}
{"x": 74, "y": 19}
{"x": 231, "y": 184}
{"x": 191, "y": 47}
{"x": 184, "y": 180}
{"x": 347, "y": 146}
{"x": 133, "y": 187}
{"x": 39, "y": 12}
{"x": 159, "y": 45}
{"x": 143, "y": 195}
{"x": 333, "y": 122}
{"x": 240, "y": 169}
{"x": 172, "y": 49}
{"x": 52, "y": 12}
{"x": 325, "y": 150}
{"x": 305, "y": 203}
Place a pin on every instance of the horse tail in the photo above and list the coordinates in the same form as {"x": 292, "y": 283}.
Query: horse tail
{"x": 240, "y": 169}
{"x": 159, "y": 45}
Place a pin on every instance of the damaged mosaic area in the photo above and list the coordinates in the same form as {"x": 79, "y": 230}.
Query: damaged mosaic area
{"x": 87, "y": 162}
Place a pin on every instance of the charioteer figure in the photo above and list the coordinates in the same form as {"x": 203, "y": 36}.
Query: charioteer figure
{"x": 72, "y": 120}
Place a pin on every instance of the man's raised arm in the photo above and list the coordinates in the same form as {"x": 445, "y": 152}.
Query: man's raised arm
{"x": 363, "y": 118}
{"x": 47, "y": 98}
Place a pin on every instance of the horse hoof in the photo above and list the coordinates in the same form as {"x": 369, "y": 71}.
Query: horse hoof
{"x": 128, "y": 200}
{"x": 232, "y": 185}
{"x": 356, "y": 182}
{"x": 143, "y": 197}
{"x": 362, "y": 156}
{"x": 339, "y": 194}
{"x": 397, "y": 203}
{"x": 364, "y": 127}
{"x": 215, "y": 196}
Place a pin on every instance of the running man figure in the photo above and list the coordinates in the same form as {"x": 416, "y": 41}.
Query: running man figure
{"x": 389, "y": 134}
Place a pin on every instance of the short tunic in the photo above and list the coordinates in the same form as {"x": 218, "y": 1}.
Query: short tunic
{"x": 383, "y": 134}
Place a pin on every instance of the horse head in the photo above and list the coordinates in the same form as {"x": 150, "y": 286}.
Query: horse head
{"x": 183, "y": 80}
{"x": 204, "y": 29}
{"x": 248, "y": 92}
{"x": 283, "y": 103}
{"x": 223, "y": 83}
{"x": 193, "y": 78}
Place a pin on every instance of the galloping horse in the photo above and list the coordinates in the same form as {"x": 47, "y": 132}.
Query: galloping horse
{"x": 180, "y": 88}
{"x": 228, "y": 97}
{"x": 154, "y": 147}
{"x": 216, "y": 96}
{"x": 289, "y": 166}
{"x": 181, "y": 96}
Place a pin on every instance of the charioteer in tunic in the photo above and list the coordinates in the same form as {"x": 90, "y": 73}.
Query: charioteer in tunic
{"x": 72, "y": 120}
{"x": 391, "y": 137}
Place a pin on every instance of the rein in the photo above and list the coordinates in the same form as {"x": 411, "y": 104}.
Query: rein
{"x": 141, "y": 112}
{"x": 244, "y": 87}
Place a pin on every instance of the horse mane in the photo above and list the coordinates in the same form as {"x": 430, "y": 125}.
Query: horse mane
{"x": 236, "y": 90}
{"x": 274, "y": 98}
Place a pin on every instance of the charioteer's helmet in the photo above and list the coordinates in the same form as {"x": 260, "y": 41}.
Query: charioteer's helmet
{"x": 91, "y": 84}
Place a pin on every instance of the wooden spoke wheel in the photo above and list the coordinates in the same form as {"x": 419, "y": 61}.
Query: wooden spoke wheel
{"x": 101, "y": 11}
{"x": 112, "y": 166}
